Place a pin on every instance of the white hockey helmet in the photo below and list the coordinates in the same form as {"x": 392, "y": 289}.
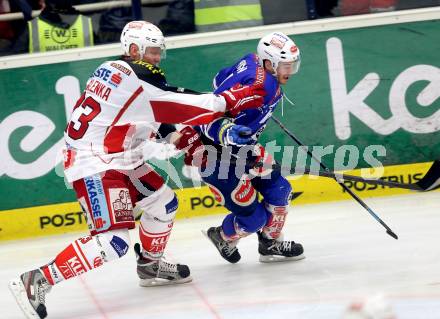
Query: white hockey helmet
{"x": 278, "y": 47}
{"x": 144, "y": 34}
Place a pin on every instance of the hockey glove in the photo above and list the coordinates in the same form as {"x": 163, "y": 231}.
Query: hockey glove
{"x": 232, "y": 134}
{"x": 239, "y": 98}
{"x": 190, "y": 143}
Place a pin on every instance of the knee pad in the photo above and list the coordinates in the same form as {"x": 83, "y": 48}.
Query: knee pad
{"x": 160, "y": 207}
{"x": 279, "y": 193}
{"x": 112, "y": 244}
{"x": 244, "y": 225}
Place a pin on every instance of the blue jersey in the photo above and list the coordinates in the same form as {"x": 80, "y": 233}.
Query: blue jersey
{"x": 246, "y": 71}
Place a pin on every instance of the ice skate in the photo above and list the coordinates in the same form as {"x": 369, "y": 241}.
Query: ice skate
{"x": 159, "y": 272}
{"x": 274, "y": 250}
{"x": 227, "y": 250}
{"x": 30, "y": 290}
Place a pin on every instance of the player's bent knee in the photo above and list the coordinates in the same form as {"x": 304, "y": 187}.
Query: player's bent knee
{"x": 280, "y": 193}
{"x": 284, "y": 191}
{"x": 253, "y": 222}
{"x": 161, "y": 205}
{"x": 112, "y": 244}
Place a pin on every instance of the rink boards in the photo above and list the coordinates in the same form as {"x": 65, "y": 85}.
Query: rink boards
{"x": 67, "y": 217}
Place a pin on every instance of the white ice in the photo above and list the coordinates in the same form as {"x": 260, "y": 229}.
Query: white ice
{"x": 349, "y": 257}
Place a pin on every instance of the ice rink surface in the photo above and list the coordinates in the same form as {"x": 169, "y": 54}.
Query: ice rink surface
{"x": 348, "y": 256}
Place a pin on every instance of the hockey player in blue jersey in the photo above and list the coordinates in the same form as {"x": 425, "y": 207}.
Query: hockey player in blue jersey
{"x": 277, "y": 60}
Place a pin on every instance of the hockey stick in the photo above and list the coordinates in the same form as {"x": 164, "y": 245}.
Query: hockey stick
{"x": 429, "y": 182}
{"x": 337, "y": 179}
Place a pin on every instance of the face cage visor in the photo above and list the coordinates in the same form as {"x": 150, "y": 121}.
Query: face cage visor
{"x": 163, "y": 51}
{"x": 289, "y": 68}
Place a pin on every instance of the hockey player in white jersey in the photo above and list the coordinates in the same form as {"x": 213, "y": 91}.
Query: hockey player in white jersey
{"x": 123, "y": 103}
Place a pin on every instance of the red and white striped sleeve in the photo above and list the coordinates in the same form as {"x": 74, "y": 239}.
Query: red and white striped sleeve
{"x": 191, "y": 109}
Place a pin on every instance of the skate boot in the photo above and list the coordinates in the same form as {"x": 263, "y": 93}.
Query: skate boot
{"x": 30, "y": 290}
{"x": 227, "y": 250}
{"x": 273, "y": 250}
{"x": 159, "y": 272}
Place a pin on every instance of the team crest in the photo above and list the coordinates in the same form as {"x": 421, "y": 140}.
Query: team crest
{"x": 121, "y": 205}
{"x": 244, "y": 193}
{"x": 276, "y": 42}
{"x": 115, "y": 79}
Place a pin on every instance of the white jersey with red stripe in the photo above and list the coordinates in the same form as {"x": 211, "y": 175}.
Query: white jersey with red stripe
{"x": 122, "y": 106}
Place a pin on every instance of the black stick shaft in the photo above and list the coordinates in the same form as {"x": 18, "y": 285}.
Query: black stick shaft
{"x": 348, "y": 190}
{"x": 343, "y": 177}
{"x": 356, "y": 179}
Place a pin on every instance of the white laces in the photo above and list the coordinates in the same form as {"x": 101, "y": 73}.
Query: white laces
{"x": 43, "y": 288}
{"x": 281, "y": 246}
{"x": 230, "y": 247}
{"x": 166, "y": 267}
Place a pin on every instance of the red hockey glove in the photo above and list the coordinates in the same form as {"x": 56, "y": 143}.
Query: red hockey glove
{"x": 190, "y": 143}
{"x": 239, "y": 98}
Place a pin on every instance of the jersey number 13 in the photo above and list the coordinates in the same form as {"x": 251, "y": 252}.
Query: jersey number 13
{"x": 85, "y": 110}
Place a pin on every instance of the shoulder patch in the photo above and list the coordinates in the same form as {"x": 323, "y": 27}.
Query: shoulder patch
{"x": 148, "y": 72}
{"x": 121, "y": 68}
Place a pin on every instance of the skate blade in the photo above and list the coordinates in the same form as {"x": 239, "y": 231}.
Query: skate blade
{"x": 17, "y": 289}
{"x": 275, "y": 258}
{"x": 204, "y": 232}
{"x": 155, "y": 282}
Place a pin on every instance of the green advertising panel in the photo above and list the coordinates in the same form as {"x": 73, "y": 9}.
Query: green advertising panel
{"x": 360, "y": 87}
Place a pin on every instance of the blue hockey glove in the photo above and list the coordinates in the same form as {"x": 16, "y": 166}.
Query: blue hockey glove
{"x": 232, "y": 134}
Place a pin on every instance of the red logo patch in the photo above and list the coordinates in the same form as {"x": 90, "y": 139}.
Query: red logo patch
{"x": 154, "y": 243}
{"x": 97, "y": 262}
{"x": 99, "y": 223}
{"x": 116, "y": 78}
{"x": 85, "y": 240}
{"x": 277, "y": 43}
{"x": 293, "y": 48}
{"x": 69, "y": 263}
{"x": 244, "y": 194}
{"x": 136, "y": 25}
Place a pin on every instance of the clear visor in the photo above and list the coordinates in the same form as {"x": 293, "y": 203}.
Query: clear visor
{"x": 154, "y": 52}
{"x": 289, "y": 68}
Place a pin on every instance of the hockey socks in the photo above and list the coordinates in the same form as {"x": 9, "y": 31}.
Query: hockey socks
{"x": 85, "y": 254}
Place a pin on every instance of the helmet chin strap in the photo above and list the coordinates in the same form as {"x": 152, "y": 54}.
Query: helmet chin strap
{"x": 142, "y": 53}
{"x": 284, "y": 96}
